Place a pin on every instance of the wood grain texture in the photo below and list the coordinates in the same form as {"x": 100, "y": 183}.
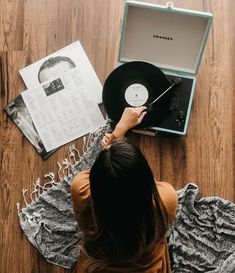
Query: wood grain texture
{"x": 232, "y": 67}
{"x": 31, "y": 29}
{"x": 11, "y": 24}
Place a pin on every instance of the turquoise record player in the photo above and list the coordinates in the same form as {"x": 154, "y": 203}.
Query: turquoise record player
{"x": 173, "y": 39}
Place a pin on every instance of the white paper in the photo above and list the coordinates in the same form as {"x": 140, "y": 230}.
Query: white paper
{"x": 63, "y": 109}
{"x": 77, "y": 57}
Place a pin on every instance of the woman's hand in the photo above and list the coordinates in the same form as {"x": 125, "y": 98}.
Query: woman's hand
{"x": 131, "y": 117}
{"x": 107, "y": 139}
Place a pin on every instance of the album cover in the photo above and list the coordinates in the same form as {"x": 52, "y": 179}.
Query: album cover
{"x": 19, "y": 114}
{"x": 60, "y": 62}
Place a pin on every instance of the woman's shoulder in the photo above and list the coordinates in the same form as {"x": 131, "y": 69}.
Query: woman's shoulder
{"x": 168, "y": 197}
{"x": 80, "y": 191}
{"x": 80, "y": 181}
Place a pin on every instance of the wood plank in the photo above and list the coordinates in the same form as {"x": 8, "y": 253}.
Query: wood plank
{"x": 3, "y": 84}
{"x": 11, "y": 25}
{"x": 35, "y": 29}
{"x": 232, "y": 71}
{"x": 99, "y": 24}
{"x": 213, "y": 105}
{"x": 12, "y": 171}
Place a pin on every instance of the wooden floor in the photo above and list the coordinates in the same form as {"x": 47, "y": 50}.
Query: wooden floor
{"x": 32, "y": 29}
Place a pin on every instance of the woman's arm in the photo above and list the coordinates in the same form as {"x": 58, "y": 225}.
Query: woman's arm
{"x": 131, "y": 117}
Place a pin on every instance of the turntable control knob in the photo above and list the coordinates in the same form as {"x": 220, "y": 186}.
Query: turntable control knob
{"x": 180, "y": 118}
{"x": 181, "y": 115}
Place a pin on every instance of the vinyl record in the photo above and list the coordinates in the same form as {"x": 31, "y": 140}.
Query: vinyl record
{"x": 136, "y": 84}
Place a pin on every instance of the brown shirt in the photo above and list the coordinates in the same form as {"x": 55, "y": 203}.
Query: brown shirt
{"x": 80, "y": 191}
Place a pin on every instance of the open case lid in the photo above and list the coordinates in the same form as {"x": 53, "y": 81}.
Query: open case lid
{"x": 168, "y": 37}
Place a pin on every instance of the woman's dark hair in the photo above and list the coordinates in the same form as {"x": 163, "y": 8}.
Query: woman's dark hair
{"x": 129, "y": 219}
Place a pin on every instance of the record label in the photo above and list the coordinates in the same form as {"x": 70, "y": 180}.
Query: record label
{"x": 136, "y": 95}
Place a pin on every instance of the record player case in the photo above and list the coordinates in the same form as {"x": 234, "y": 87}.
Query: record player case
{"x": 173, "y": 39}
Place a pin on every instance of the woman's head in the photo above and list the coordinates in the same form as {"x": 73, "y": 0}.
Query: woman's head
{"x": 121, "y": 179}
{"x": 126, "y": 207}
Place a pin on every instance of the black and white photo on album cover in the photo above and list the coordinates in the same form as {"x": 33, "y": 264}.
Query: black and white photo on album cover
{"x": 56, "y": 64}
{"x": 19, "y": 114}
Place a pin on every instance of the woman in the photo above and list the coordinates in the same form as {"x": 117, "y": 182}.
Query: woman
{"x": 122, "y": 211}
